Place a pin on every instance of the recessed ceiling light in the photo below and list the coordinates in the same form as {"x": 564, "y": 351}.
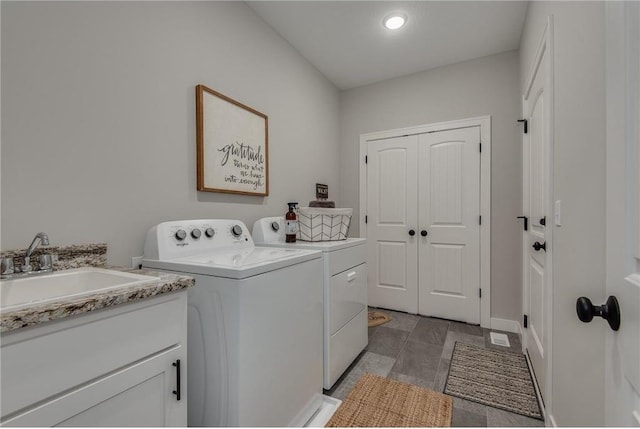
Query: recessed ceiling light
{"x": 395, "y": 21}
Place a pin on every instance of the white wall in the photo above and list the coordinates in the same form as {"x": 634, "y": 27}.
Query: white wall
{"x": 579, "y": 174}
{"x": 485, "y": 86}
{"x": 98, "y": 108}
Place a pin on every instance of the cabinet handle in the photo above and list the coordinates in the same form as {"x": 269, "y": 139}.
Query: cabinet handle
{"x": 177, "y": 391}
{"x": 351, "y": 276}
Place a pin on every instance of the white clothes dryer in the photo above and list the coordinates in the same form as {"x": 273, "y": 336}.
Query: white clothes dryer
{"x": 345, "y": 293}
{"x": 254, "y": 323}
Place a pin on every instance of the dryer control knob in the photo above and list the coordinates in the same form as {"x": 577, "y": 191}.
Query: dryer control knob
{"x": 180, "y": 235}
{"x": 275, "y": 226}
{"x": 196, "y": 233}
{"x": 209, "y": 232}
{"x": 236, "y": 231}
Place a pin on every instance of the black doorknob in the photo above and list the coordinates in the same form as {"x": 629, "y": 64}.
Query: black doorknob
{"x": 412, "y": 232}
{"x": 543, "y": 221}
{"x": 537, "y": 246}
{"x": 610, "y": 311}
{"x": 423, "y": 233}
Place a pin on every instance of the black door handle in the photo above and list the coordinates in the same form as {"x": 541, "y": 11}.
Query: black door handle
{"x": 543, "y": 221}
{"x": 537, "y": 246}
{"x": 610, "y": 311}
{"x": 526, "y": 222}
{"x": 177, "y": 391}
{"x": 412, "y": 232}
{"x": 423, "y": 233}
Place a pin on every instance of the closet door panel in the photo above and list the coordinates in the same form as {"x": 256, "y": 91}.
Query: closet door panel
{"x": 392, "y": 212}
{"x": 449, "y": 209}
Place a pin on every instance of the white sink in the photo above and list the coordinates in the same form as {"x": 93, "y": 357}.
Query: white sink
{"x": 23, "y": 292}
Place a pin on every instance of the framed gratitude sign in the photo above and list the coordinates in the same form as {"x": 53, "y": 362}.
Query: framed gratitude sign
{"x": 232, "y": 145}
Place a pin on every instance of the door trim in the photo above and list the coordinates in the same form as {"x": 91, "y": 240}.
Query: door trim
{"x": 622, "y": 368}
{"x": 545, "y": 45}
{"x": 484, "y": 122}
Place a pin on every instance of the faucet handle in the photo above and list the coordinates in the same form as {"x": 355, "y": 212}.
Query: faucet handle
{"x": 7, "y": 266}
{"x": 26, "y": 266}
{"x": 46, "y": 262}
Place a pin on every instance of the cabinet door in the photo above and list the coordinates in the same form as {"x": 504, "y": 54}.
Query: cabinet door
{"x": 138, "y": 395}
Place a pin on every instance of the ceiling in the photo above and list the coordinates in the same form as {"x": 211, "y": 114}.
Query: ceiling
{"x": 347, "y": 42}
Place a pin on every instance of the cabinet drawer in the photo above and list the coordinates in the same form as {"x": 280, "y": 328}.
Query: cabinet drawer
{"x": 343, "y": 347}
{"x": 344, "y": 259}
{"x": 47, "y": 359}
{"x": 347, "y": 296}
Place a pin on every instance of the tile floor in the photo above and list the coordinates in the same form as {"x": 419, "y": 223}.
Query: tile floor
{"x": 417, "y": 350}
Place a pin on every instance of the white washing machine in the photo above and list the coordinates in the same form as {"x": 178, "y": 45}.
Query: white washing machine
{"x": 254, "y": 324}
{"x": 345, "y": 293}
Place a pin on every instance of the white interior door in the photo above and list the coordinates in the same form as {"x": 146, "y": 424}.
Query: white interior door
{"x": 392, "y": 213}
{"x": 536, "y": 176}
{"x": 449, "y": 209}
{"x": 622, "y": 358}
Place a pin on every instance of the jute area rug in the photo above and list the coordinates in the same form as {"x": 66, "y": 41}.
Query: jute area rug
{"x": 497, "y": 378}
{"x": 376, "y": 318}
{"x": 381, "y": 402}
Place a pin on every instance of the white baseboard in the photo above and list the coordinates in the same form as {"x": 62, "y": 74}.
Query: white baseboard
{"x": 506, "y": 325}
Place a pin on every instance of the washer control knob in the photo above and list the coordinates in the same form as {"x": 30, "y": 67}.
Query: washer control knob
{"x": 180, "y": 235}
{"x": 196, "y": 233}
{"x": 236, "y": 230}
{"x": 209, "y": 232}
{"x": 275, "y": 226}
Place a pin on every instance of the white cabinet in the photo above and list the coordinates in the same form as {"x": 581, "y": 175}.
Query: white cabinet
{"x": 122, "y": 366}
{"x": 345, "y": 307}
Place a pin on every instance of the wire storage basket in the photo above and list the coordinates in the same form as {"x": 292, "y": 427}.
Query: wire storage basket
{"x": 322, "y": 224}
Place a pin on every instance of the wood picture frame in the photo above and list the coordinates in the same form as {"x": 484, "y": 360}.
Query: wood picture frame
{"x": 232, "y": 145}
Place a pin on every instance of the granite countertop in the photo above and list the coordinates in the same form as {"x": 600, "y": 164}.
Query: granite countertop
{"x": 59, "y": 309}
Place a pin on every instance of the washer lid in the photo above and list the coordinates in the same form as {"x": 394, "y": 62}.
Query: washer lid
{"x": 236, "y": 264}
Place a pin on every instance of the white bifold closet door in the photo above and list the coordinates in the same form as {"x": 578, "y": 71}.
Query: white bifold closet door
{"x": 449, "y": 209}
{"x": 392, "y": 199}
{"x": 423, "y": 198}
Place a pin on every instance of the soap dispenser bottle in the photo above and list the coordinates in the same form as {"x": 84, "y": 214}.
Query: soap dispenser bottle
{"x": 291, "y": 224}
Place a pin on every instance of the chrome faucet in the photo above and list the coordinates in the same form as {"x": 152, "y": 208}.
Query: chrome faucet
{"x": 40, "y": 238}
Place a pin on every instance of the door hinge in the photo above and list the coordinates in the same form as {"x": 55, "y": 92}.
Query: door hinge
{"x": 525, "y": 321}
{"x": 526, "y": 222}
{"x": 366, "y": 159}
{"x": 526, "y": 125}
{"x": 480, "y": 220}
{"x": 479, "y": 292}
{"x": 480, "y": 147}
{"x": 366, "y": 219}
